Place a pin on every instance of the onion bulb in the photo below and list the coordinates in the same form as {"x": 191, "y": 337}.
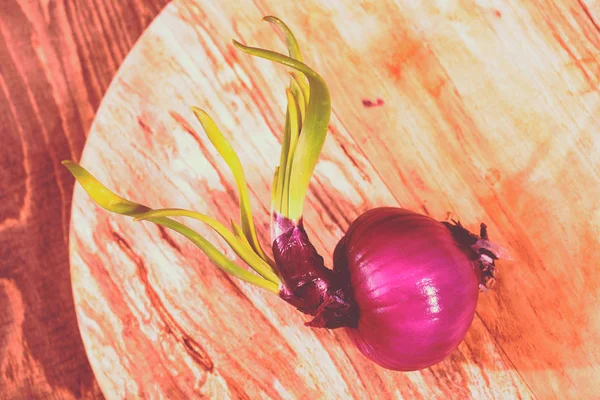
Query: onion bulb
{"x": 415, "y": 287}
{"x": 403, "y": 285}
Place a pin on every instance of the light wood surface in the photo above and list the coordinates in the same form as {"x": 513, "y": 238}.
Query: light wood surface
{"x": 489, "y": 112}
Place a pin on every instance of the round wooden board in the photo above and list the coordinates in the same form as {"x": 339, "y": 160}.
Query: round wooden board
{"x": 487, "y": 112}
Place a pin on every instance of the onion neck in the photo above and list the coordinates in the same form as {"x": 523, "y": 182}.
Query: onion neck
{"x": 305, "y": 281}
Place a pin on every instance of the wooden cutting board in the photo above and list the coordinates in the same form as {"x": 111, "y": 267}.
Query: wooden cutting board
{"x": 483, "y": 111}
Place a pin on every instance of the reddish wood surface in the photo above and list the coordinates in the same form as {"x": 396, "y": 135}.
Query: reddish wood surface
{"x": 489, "y": 111}
{"x": 56, "y": 61}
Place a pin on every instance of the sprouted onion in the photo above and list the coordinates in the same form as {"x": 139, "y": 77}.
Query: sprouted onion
{"x": 404, "y": 286}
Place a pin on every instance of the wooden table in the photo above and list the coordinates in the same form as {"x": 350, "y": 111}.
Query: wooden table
{"x": 524, "y": 159}
{"x": 56, "y": 61}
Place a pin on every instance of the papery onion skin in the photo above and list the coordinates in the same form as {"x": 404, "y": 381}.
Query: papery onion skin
{"x": 415, "y": 285}
{"x": 306, "y": 283}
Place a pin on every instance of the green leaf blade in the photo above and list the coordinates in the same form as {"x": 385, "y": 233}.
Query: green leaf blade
{"x": 216, "y": 256}
{"x": 294, "y": 133}
{"x": 229, "y": 155}
{"x": 103, "y": 196}
{"x": 110, "y": 201}
{"x": 246, "y": 253}
{"x": 304, "y": 92}
{"x": 314, "y": 128}
{"x": 290, "y": 39}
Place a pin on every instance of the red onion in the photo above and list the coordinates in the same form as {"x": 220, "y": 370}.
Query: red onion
{"x": 416, "y": 287}
{"x": 404, "y": 286}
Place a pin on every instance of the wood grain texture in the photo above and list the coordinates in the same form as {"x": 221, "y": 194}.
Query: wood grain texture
{"x": 489, "y": 111}
{"x": 56, "y": 61}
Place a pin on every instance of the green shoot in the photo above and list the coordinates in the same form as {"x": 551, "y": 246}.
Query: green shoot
{"x": 314, "y": 129}
{"x": 110, "y": 201}
{"x": 226, "y": 151}
{"x": 247, "y": 254}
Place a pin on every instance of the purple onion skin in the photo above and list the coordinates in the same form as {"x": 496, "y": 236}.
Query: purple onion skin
{"x": 414, "y": 284}
{"x": 306, "y": 283}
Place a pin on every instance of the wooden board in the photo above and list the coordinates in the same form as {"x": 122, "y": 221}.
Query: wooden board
{"x": 489, "y": 112}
